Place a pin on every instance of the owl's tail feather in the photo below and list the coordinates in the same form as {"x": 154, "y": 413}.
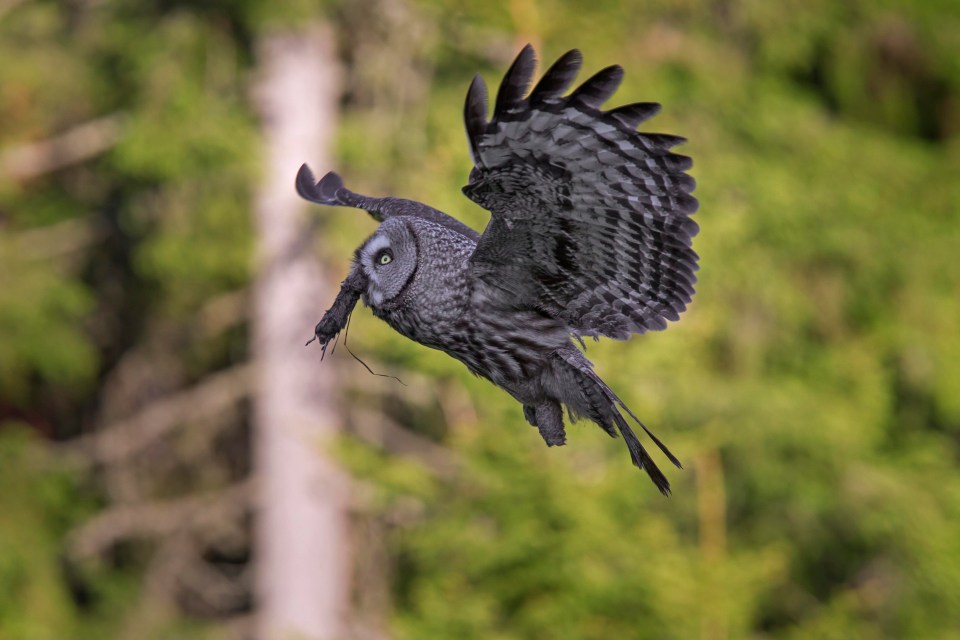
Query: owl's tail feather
{"x": 603, "y": 406}
{"x": 640, "y": 456}
{"x": 655, "y": 439}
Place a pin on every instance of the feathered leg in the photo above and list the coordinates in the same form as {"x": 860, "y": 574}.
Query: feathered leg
{"x": 530, "y": 413}
{"x": 548, "y": 418}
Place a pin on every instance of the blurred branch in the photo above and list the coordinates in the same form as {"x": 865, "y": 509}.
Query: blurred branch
{"x": 6, "y": 6}
{"x": 127, "y": 437}
{"x": 158, "y": 519}
{"x": 711, "y": 505}
{"x": 80, "y": 143}
{"x": 224, "y": 311}
{"x": 417, "y": 388}
{"x": 157, "y": 598}
{"x": 210, "y": 588}
{"x": 456, "y": 405}
{"x": 378, "y": 429}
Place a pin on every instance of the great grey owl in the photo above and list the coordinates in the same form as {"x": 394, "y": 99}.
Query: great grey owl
{"x": 589, "y": 235}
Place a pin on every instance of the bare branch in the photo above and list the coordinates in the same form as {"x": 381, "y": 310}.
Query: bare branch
{"x": 80, "y": 143}
{"x": 127, "y": 437}
{"x": 377, "y": 429}
{"x": 157, "y": 598}
{"x": 158, "y": 519}
{"x": 212, "y": 590}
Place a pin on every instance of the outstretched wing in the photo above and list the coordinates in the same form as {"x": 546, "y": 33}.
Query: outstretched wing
{"x": 590, "y": 219}
{"x": 329, "y": 190}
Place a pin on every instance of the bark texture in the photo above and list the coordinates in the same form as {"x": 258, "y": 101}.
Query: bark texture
{"x": 302, "y": 546}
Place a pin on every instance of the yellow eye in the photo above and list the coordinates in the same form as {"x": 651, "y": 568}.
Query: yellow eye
{"x": 385, "y": 258}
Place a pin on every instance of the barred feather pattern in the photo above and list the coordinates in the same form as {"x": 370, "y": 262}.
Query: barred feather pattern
{"x": 590, "y": 218}
{"x": 590, "y": 235}
{"x": 439, "y": 308}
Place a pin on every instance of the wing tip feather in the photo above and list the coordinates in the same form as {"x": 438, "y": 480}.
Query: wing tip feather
{"x": 599, "y": 87}
{"x": 634, "y": 114}
{"x": 475, "y": 115}
{"x": 517, "y": 80}
{"x": 638, "y": 454}
{"x": 558, "y": 77}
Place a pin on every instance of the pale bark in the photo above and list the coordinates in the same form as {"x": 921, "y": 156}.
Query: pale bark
{"x": 302, "y": 547}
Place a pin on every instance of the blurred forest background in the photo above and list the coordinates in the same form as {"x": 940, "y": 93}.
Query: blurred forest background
{"x": 812, "y": 390}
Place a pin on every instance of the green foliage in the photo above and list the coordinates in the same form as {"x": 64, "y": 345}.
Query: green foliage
{"x": 812, "y": 389}
{"x": 43, "y": 311}
{"x": 818, "y": 361}
{"x": 99, "y": 256}
{"x": 38, "y": 506}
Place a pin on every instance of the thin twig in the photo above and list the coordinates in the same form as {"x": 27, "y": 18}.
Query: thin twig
{"x": 346, "y": 335}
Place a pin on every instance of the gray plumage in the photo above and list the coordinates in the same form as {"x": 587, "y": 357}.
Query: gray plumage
{"x": 589, "y": 235}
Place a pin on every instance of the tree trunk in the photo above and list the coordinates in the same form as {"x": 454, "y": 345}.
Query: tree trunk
{"x": 302, "y": 546}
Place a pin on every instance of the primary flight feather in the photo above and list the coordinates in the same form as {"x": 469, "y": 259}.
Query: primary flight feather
{"x": 589, "y": 235}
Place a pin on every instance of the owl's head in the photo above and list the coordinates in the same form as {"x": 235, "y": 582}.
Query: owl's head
{"x": 389, "y": 259}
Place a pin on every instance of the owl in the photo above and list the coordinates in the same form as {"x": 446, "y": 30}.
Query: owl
{"x": 589, "y": 235}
